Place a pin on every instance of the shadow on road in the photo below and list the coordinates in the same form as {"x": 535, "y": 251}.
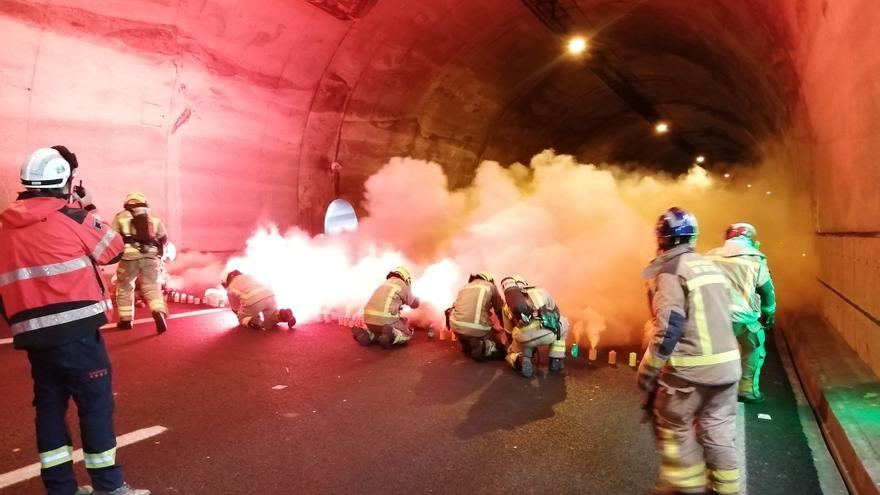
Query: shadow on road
{"x": 511, "y": 401}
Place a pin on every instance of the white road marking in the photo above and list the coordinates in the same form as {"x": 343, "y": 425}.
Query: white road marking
{"x": 33, "y": 470}
{"x": 741, "y": 448}
{"x": 171, "y": 317}
{"x": 150, "y": 320}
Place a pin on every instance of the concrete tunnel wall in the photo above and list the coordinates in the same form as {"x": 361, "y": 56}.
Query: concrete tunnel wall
{"x": 228, "y": 113}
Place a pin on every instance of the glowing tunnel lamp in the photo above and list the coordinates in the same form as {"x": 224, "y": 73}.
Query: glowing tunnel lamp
{"x": 661, "y": 127}
{"x": 701, "y": 158}
{"x": 726, "y": 176}
{"x": 749, "y": 186}
{"x": 577, "y": 45}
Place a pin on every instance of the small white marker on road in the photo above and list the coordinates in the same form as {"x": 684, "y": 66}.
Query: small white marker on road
{"x": 764, "y": 416}
{"x": 279, "y": 387}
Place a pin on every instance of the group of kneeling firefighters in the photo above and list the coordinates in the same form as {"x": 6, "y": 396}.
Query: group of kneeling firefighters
{"x": 708, "y": 314}
{"x": 529, "y": 317}
{"x": 709, "y": 318}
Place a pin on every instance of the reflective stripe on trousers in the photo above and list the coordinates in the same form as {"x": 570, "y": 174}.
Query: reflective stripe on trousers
{"x": 101, "y": 459}
{"x": 127, "y": 273}
{"x": 55, "y": 457}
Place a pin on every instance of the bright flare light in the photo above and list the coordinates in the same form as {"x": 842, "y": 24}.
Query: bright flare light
{"x": 577, "y": 45}
{"x": 661, "y": 127}
{"x": 701, "y": 159}
{"x": 315, "y": 275}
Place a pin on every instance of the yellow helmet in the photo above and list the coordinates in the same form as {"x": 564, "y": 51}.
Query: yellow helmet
{"x": 520, "y": 281}
{"x": 401, "y": 272}
{"x": 135, "y": 197}
{"x": 483, "y": 275}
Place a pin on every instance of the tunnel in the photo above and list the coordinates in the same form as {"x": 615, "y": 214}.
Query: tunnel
{"x": 230, "y": 114}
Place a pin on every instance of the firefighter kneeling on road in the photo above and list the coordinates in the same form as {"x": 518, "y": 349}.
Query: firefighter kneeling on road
{"x": 691, "y": 368}
{"x": 532, "y": 319}
{"x": 471, "y": 321}
{"x": 382, "y": 312}
{"x": 144, "y": 236}
{"x": 254, "y": 303}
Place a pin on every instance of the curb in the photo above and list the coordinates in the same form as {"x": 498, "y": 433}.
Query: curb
{"x": 845, "y": 396}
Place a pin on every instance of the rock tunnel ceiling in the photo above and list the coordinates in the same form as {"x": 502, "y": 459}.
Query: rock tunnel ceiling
{"x": 717, "y": 70}
{"x": 301, "y": 84}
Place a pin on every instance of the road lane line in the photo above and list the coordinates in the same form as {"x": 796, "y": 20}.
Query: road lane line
{"x": 150, "y": 320}
{"x": 171, "y": 316}
{"x": 33, "y": 470}
{"x": 741, "y": 448}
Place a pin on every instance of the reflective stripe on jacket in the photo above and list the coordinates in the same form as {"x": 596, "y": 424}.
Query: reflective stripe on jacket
{"x": 746, "y": 269}
{"x": 692, "y": 336}
{"x": 245, "y": 290}
{"x": 384, "y": 305}
{"x": 50, "y": 290}
{"x": 122, "y": 223}
{"x": 472, "y": 305}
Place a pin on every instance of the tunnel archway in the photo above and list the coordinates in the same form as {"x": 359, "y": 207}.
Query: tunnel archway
{"x": 198, "y": 102}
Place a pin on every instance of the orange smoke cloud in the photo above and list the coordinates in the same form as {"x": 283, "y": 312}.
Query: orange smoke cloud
{"x": 580, "y": 231}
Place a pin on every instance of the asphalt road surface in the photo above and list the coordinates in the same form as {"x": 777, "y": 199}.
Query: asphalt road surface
{"x": 309, "y": 411}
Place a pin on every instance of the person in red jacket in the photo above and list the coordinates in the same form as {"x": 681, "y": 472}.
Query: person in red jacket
{"x": 53, "y": 300}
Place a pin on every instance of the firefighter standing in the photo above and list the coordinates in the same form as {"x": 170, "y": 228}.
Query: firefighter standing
{"x": 532, "y": 319}
{"x": 254, "y": 303}
{"x": 691, "y": 367}
{"x": 471, "y": 320}
{"x": 382, "y": 312}
{"x": 752, "y": 302}
{"x": 144, "y": 236}
{"x": 54, "y": 303}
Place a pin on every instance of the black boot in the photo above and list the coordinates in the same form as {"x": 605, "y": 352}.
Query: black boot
{"x": 159, "y": 318}
{"x": 557, "y": 365}
{"x": 478, "y": 350}
{"x": 362, "y": 336}
{"x": 524, "y": 363}
{"x": 386, "y": 340}
{"x": 124, "y": 325}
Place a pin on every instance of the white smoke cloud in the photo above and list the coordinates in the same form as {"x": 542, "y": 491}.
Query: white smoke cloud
{"x": 580, "y": 231}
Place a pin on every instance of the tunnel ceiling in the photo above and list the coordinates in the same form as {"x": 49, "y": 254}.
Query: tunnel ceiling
{"x": 716, "y": 71}
{"x": 198, "y": 87}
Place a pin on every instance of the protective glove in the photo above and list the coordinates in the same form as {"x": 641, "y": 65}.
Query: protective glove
{"x": 767, "y": 320}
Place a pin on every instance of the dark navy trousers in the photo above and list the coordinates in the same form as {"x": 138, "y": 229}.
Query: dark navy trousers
{"x": 79, "y": 369}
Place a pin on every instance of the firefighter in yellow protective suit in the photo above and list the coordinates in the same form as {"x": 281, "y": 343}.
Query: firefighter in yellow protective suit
{"x": 254, "y": 303}
{"x": 471, "y": 321}
{"x": 532, "y": 319}
{"x": 692, "y": 365}
{"x": 144, "y": 236}
{"x": 382, "y": 312}
{"x": 752, "y": 302}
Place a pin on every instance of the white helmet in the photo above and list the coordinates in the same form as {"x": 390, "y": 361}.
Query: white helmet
{"x": 45, "y": 169}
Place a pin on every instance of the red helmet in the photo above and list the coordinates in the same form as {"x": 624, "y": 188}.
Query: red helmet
{"x": 746, "y": 230}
